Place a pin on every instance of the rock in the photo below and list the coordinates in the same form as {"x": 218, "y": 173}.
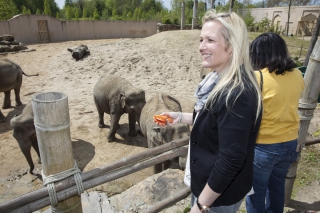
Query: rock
{"x": 7, "y": 37}
{"x": 150, "y": 192}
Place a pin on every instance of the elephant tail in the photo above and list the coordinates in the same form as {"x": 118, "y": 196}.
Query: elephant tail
{"x": 29, "y": 75}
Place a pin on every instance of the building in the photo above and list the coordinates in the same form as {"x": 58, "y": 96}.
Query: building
{"x": 302, "y": 20}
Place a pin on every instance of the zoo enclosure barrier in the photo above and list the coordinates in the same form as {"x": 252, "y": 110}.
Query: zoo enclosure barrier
{"x": 66, "y": 188}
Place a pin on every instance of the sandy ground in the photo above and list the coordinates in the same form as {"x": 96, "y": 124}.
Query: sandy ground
{"x": 166, "y": 62}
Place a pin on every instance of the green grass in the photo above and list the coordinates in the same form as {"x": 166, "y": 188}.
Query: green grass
{"x": 308, "y": 167}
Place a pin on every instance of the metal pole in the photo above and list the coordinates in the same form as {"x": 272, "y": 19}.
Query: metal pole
{"x": 52, "y": 123}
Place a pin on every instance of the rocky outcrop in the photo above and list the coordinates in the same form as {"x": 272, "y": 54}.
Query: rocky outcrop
{"x": 8, "y": 44}
{"x": 151, "y": 191}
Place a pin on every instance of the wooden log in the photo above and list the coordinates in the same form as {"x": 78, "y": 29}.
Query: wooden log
{"x": 169, "y": 201}
{"x": 72, "y": 191}
{"x": 68, "y": 182}
{"x": 307, "y": 104}
{"x": 52, "y": 123}
{"x": 311, "y": 142}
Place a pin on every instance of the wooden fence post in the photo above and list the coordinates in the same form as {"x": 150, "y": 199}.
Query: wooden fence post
{"x": 52, "y": 123}
{"x": 307, "y": 103}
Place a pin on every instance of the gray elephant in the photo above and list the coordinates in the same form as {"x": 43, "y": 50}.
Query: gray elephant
{"x": 24, "y": 132}
{"x": 157, "y": 135}
{"x": 115, "y": 96}
{"x": 10, "y": 78}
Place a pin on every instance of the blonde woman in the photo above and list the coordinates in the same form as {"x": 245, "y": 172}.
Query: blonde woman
{"x": 225, "y": 120}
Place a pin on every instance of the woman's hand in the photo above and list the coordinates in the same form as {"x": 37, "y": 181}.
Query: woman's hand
{"x": 172, "y": 118}
{"x": 195, "y": 209}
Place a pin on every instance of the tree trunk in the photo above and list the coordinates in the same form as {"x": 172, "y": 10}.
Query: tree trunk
{"x": 194, "y": 18}
{"x": 231, "y": 6}
{"x": 313, "y": 41}
{"x": 182, "y": 15}
{"x": 212, "y": 4}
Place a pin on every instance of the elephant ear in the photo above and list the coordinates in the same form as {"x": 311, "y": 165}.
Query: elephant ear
{"x": 122, "y": 100}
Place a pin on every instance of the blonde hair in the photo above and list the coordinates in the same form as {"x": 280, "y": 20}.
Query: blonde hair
{"x": 238, "y": 70}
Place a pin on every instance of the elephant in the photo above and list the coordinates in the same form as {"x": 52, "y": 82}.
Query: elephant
{"x": 24, "y": 132}
{"x": 79, "y": 51}
{"x": 115, "y": 96}
{"x": 10, "y": 78}
{"x": 157, "y": 135}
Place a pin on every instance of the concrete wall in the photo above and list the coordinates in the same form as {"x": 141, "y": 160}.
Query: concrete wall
{"x": 274, "y": 14}
{"x": 24, "y": 28}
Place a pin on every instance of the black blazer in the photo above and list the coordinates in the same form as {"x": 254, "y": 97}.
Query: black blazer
{"x": 222, "y": 147}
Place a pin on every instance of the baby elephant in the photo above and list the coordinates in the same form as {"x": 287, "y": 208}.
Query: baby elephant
{"x": 157, "y": 135}
{"x": 115, "y": 96}
{"x": 24, "y": 132}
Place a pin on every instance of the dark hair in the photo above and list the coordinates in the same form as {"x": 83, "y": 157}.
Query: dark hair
{"x": 270, "y": 51}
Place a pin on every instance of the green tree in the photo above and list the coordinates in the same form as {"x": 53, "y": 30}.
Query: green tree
{"x": 38, "y": 12}
{"x": 25, "y": 10}
{"x": 68, "y": 13}
{"x": 7, "y": 9}
{"x": 84, "y": 13}
{"x": 264, "y": 24}
{"x": 68, "y": 3}
{"x": 96, "y": 15}
{"x": 58, "y": 15}
{"x": 249, "y": 20}
{"x": 76, "y": 14}
{"x": 47, "y": 9}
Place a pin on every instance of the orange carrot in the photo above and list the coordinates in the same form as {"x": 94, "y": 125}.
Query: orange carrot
{"x": 162, "y": 119}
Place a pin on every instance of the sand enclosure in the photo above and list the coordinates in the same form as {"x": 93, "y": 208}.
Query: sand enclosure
{"x": 166, "y": 62}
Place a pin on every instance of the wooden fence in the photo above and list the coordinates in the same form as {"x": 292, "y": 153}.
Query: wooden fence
{"x": 66, "y": 188}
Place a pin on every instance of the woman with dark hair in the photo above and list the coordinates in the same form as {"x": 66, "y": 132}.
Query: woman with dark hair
{"x": 275, "y": 150}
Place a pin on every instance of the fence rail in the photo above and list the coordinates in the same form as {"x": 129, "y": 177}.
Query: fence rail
{"x": 65, "y": 189}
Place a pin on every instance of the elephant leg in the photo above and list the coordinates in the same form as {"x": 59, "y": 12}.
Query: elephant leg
{"x": 17, "y": 94}
{"x": 157, "y": 168}
{"x": 100, "y": 113}
{"x": 36, "y": 147}
{"x": 25, "y": 146}
{"x": 101, "y": 119}
{"x": 132, "y": 126}
{"x": 172, "y": 164}
{"x": 2, "y": 118}
{"x": 114, "y": 125}
{"x": 7, "y": 101}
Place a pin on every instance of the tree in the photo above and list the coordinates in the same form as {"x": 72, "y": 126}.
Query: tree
{"x": 68, "y": 3}
{"x": 47, "y": 9}
{"x": 38, "y": 12}
{"x": 84, "y": 12}
{"x": 96, "y": 15}
{"x": 231, "y": 6}
{"x": 68, "y": 13}
{"x": 7, "y": 9}
{"x": 248, "y": 20}
{"x": 76, "y": 14}
{"x": 25, "y": 10}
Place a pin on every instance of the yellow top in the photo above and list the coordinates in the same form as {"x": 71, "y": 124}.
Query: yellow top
{"x": 280, "y": 95}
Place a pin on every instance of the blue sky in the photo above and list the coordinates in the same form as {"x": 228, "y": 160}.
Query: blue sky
{"x": 166, "y": 3}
